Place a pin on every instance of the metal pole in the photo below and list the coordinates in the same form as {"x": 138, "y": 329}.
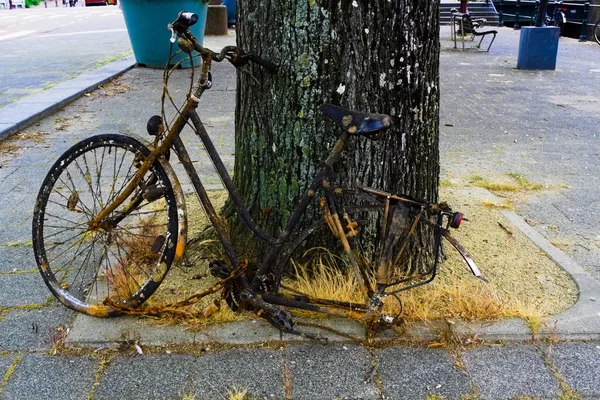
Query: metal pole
{"x": 501, "y": 14}
{"x": 586, "y": 10}
{"x": 517, "y": 26}
{"x": 541, "y": 13}
{"x": 462, "y": 31}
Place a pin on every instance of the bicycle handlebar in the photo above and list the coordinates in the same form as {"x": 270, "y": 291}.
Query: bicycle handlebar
{"x": 184, "y": 20}
{"x": 268, "y": 65}
{"x": 235, "y": 55}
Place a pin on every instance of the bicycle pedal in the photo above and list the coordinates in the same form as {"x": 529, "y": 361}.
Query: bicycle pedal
{"x": 278, "y": 317}
{"x": 219, "y": 269}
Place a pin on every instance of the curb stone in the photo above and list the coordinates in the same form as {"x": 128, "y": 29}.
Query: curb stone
{"x": 17, "y": 116}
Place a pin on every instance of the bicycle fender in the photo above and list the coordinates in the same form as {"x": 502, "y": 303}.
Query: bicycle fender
{"x": 465, "y": 255}
{"x": 179, "y": 200}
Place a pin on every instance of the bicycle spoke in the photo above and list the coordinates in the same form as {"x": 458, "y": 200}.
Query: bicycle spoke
{"x": 73, "y": 190}
{"x": 49, "y": 250}
{"x": 117, "y": 258}
{"x": 87, "y": 177}
{"x": 99, "y": 174}
{"x": 72, "y": 260}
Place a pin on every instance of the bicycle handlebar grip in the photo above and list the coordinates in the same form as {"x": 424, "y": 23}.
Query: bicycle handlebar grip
{"x": 268, "y": 65}
{"x": 187, "y": 19}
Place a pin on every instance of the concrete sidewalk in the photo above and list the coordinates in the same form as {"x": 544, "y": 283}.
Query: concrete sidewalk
{"x": 491, "y": 115}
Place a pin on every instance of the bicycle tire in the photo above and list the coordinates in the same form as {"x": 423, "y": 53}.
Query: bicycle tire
{"x": 597, "y": 32}
{"x": 125, "y": 259}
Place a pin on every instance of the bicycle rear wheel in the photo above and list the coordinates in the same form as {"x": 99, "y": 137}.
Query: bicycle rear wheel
{"x": 127, "y": 257}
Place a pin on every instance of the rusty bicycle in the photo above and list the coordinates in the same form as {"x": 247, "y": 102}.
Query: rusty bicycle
{"x": 110, "y": 219}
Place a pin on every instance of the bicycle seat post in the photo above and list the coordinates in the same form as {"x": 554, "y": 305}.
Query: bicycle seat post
{"x": 337, "y": 149}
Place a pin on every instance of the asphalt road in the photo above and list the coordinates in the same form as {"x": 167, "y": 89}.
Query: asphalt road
{"x": 40, "y": 47}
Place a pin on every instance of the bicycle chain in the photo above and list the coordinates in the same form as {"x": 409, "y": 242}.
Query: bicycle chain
{"x": 175, "y": 308}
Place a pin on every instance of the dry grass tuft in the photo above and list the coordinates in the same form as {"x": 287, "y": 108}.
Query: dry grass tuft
{"x": 139, "y": 257}
{"x": 325, "y": 276}
{"x": 238, "y": 394}
{"x": 505, "y": 205}
{"x": 450, "y": 298}
{"x": 519, "y": 183}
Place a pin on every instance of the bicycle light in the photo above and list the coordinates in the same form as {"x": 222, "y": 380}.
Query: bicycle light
{"x": 456, "y": 220}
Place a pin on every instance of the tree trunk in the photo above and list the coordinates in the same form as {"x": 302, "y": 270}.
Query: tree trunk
{"x": 369, "y": 55}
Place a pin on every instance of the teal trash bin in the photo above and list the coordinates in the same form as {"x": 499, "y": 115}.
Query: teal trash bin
{"x": 147, "y": 21}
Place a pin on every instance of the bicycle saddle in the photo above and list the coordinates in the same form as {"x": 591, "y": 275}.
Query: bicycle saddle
{"x": 357, "y": 123}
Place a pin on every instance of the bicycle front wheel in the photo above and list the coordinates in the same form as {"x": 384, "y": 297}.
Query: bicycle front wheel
{"x": 597, "y": 32}
{"x": 128, "y": 255}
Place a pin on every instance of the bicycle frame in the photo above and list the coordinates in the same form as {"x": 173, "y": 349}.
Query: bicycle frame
{"x": 250, "y": 290}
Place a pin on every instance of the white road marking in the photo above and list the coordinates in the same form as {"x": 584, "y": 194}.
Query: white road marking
{"x": 84, "y": 32}
{"x": 15, "y": 35}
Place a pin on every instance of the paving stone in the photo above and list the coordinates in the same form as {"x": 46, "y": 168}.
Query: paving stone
{"x": 210, "y": 376}
{"x": 17, "y": 232}
{"x": 579, "y": 365}
{"x": 260, "y": 371}
{"x": 6, "y": 360}
{"x": 18, "y": 203}
{"x": 41, "y": 376}
{"x": 31, "y": 329}
{"x": 510, "y": 371}
{"x": 331, "y": 371}
{"x": 5, "y": 171}
{"x": 420, "y": 373}
{"x": 17, "y": 258}
{"x": 23, "y": 289}
{"x": 147, "y": 377}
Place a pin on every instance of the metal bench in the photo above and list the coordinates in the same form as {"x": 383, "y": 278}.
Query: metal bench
{"x": 469, "y": 26}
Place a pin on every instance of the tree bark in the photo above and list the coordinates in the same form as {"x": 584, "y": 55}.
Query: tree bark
{"x": 370, "y": 55}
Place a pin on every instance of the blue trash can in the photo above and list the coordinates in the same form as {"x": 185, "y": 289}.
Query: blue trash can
{"x": 538, "y": 47}
{"x": 231, "y": 10}
{"x": 147, "y": 21}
